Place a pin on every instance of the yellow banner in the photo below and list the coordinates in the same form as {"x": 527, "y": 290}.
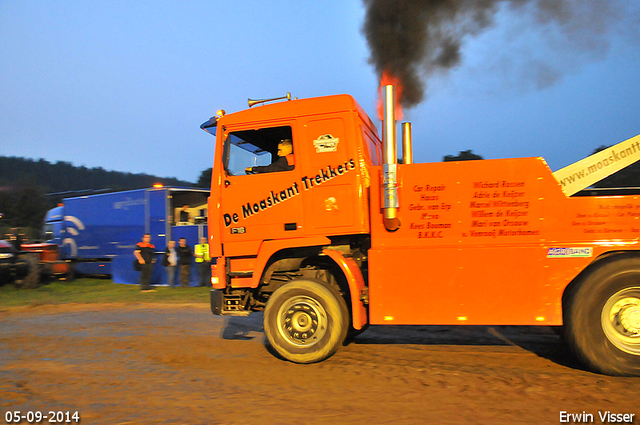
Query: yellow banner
{"x": 582, "y": 174}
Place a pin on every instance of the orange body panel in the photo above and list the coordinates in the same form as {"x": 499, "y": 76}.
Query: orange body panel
{"x": 242, "y": 264}
{"x": 60, "y": 268}
{"x": 46, "y": 251}
{"x": 268, "y": 248}
{"x": 488, "y": 242}
{"x": 48, "y": 257}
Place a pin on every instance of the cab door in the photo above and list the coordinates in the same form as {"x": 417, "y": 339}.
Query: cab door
{"x": 257, "y": 207}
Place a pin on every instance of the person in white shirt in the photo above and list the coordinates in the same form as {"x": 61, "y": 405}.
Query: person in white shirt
{"x": 171, "y": 262}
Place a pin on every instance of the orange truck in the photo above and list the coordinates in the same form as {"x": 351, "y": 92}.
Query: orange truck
{"x": 344, "y": 236}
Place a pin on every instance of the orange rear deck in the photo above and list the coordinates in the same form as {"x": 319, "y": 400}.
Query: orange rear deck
{"x": 488, "y": 242}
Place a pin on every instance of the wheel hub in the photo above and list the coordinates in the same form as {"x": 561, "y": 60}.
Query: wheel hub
{"x": 302, "y": 321}
{"x": 621, "y": 320}
{"x": 630, "y": 318}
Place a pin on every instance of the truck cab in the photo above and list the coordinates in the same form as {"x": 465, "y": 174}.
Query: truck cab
{"x": 334, "y": 144}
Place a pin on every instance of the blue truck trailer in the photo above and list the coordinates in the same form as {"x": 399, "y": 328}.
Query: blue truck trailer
{"x": 98, "y": 233}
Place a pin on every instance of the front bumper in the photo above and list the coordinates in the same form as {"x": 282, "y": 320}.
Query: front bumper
{"x": 227, "y": 305}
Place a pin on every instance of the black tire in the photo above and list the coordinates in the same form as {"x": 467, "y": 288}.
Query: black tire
{"x": 602, "y": 317}
{"x": 5, "y": 278}
{"x": 32, "y": 279}
{"x": 306, "y": 321}
{"x": 353, "y": 333}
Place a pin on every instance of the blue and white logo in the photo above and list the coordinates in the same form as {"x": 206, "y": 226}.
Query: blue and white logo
{"x": 74, "y": 231}
{"x": 570, "y": 252}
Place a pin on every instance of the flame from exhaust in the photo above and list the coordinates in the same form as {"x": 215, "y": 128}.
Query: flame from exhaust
{"x": 388, "y": 79}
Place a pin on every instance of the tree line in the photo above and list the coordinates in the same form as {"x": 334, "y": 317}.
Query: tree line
{"x": 29, "y": 188}
{"x": 63, "y": 176}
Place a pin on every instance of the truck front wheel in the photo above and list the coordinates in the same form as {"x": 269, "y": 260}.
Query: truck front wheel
{"x": 602, "y": 318}
{"x": 306, "y": 321}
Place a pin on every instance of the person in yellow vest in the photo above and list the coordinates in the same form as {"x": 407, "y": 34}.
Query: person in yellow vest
{"x": 203, "y": 262}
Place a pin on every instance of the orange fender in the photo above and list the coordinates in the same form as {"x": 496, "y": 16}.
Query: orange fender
{"x": 356, "y": 285}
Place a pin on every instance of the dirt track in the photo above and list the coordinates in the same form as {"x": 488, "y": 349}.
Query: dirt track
{"x": 159, "y": 364}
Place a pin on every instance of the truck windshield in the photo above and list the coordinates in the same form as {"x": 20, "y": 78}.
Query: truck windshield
{"x": 250, "y": 148}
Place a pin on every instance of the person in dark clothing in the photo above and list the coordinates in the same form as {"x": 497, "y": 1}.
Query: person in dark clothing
{"x": 184, "y": 261}
{"x": 284, "y": 162}
{"x": 145, "y": 252}
{"x": 184, "y": 214}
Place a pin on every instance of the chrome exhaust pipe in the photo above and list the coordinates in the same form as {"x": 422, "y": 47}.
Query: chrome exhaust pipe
{"x": 390, "y": 203}
{"x": 407, "y": 144}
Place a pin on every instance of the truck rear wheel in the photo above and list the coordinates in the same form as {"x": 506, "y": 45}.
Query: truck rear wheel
{"x": 602, "y": 318}
{"x": 306, "y": 321}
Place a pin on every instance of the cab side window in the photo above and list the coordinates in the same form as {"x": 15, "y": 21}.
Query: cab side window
{"x": 255, "y": 150}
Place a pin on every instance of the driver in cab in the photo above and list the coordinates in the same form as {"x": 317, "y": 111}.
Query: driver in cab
{"x": 284, "y": 162}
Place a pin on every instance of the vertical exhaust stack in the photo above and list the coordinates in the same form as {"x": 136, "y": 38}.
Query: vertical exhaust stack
{"x": 390, "y": 203}
{"x": 407, "y": 144}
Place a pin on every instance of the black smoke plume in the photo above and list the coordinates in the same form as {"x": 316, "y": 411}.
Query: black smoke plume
{"x": 414, "y": 39}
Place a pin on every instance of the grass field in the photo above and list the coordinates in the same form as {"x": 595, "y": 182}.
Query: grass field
{"x": 85, "y": 290}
